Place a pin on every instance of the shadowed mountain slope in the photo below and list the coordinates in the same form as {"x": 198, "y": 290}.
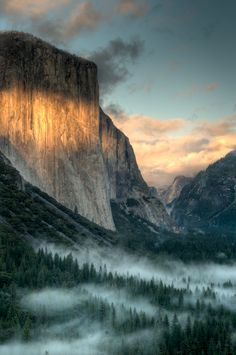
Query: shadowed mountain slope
{"x": 209, "y": 201}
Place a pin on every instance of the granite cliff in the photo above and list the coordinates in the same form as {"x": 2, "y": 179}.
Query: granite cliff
{"x": 50, "y": 123}
{"x": 126, "y": 184}
{"x": 55, "y": 134}
{"x": 124, "y": 175}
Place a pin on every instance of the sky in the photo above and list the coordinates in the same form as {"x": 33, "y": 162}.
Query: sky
{"x": 167, "y": 71}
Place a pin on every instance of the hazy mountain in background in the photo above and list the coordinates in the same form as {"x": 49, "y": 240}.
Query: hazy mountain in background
{"x": 208, "y": 202}
{"x": 173, "y": 191}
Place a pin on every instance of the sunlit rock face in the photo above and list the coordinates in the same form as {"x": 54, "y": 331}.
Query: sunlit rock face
{"x": 49, "y": 124}
{"x": 54, "y": 133}
{"x": 126, "y": 184}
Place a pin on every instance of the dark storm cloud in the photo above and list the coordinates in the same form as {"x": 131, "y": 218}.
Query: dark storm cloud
{"x": 112, "y": 61}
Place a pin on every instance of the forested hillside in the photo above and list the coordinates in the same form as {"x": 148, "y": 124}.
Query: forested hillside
{"x": 68, "y": 284}
{"x": 45, "y": 296}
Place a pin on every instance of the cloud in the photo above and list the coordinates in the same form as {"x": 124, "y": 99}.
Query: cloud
{"x": 212, "y": 87}
{"x": 133, "y": 8}
{"x": 221, "y": 128}
{"x": 196, "y": 89}
{"x": 30, "y": 7}
{"x": 143, "y": 128}
{"x": 167, "y": 148}
{"x": 116, "y": 112}
{"x": 62, "y": 20}
{"x": 197, "y": 145}
{"x": 45, "y": 18}
{"x": 85, "y": 17}
{"x": 52, "y": 30}
{"x": 112, "y": 61}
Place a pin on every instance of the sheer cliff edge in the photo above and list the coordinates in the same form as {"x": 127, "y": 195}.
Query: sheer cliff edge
{"x": 54, "y": 132}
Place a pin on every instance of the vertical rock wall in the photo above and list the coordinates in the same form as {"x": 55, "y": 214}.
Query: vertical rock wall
{"x": 49, "y": 124}
{"x": 53, "y": 131}
{"x": 126, "y": 184}
{"x": 124, "y": 175}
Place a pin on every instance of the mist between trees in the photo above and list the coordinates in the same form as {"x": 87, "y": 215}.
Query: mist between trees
{"x": 54, "y": 301}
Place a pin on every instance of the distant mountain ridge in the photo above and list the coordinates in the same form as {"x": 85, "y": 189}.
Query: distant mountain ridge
{"x": 208, "y": 202}
{"x": 173, "y": 191}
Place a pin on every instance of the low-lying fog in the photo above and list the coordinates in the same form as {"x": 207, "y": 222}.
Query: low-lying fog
{"x": 168, "y": 270}
{"x": 92, "y": 338}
